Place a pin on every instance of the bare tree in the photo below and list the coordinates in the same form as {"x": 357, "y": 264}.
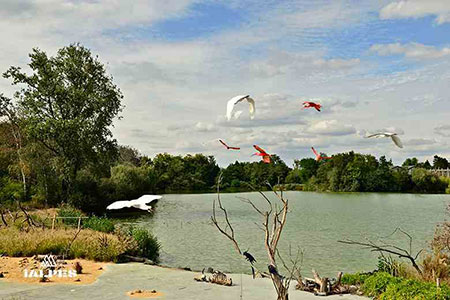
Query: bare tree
{"x": 383, "y": 247}
{"x": 274, "y": 220}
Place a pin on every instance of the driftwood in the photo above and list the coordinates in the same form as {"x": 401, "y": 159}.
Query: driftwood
{"x": 217, "y": 278}
{"x": 322, "y": 286}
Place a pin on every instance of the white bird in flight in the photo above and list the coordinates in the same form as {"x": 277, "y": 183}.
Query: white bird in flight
{"x": 139, "y": 203}
{"x": 235, "y": 100}
{"x": 392, "y": 135}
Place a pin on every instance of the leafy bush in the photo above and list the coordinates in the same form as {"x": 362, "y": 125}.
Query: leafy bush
{"x": 101, "y": 224}
{"x": 355, "y": 279}
{"x": 427, "y": 182}
{"x": 376, "y": 284}
{"x": 71, "y": 213}
{"x": 413, "y": 289}
{"x": 147, "y": 244}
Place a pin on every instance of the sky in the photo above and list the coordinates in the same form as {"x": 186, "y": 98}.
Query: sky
{"x": 373, "y": 65}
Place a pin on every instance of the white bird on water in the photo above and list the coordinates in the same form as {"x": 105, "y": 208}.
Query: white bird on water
{"x": 235, "y": 100}
{"x": 392, "y": 135}
{"x": 139, "y": 203}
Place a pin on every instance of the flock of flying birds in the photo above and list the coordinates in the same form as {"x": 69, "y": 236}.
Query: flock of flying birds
{"x": 266, "y": 157}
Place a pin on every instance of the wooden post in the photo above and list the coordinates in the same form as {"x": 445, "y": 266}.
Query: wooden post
{"x": 53, "y": 222}
{"x": 79, "y": 223}
{"x": 438, "y": 282}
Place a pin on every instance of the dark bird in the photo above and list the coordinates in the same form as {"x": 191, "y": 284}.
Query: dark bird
{"x": 249, "y": 257}
{"x": 273, "y": 270}
{"x": 229, "y": 147}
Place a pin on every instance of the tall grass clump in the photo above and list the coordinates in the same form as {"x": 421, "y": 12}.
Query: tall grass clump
{"x": 101, "y": 224}
{"x": 88, "y": 244}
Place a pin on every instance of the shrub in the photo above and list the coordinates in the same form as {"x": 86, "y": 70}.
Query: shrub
{"x": 413, "y": 289}
{"x": 147, "y": 244}
{"x": 71, "y": 213}
{"x": 355, "y": 279}
{"x": 101, "y": 224}
{"x": 427, "y": 182}
{"x": 376, "y": 284}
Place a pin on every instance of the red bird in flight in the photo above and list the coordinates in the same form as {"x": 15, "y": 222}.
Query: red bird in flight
{"x": 229, "y": 147}
{"x": 318, "y": 156}
{"x": 308, "y": 104}
{"x": 263, "y": 153}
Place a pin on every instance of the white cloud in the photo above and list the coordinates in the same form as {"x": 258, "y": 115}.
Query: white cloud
{"x": 442, "y": 130}
{"x": 417, "y": 9}
{"x": 331, "y": 127}
{"x": 411, "y": 50}
{"x": 204, "y": 127}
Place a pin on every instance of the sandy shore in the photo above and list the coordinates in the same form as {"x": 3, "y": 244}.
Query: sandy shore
{"x": 119, "y": 280}
{"x": 15, "y": 269}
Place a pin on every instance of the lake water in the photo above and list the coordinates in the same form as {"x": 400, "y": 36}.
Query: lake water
{"x": 316, "y": 221}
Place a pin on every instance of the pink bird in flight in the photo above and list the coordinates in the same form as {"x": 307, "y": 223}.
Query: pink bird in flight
{"x": 319, "y": 157}
{"x": 309, "y": 104}
{"x": 229, "y": 147}
{"x": 263, "y": 153}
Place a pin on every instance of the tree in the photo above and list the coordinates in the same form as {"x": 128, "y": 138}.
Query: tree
{"x": 440, "y": 162}
{"x": 67, "y": 105}
{"x": 274, "y": 218}
{"x": 410, "y": 162}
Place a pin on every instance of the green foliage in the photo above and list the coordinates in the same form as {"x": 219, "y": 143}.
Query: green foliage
{"x": 255, "y": 173}
{"x": 415, "y": 290}
{"x": 188, "y": 173}
{"x": 101, "y": 224}
{"x": 426, "y": 182}
{"x": 148, "y": 245}
{"x": 71, "y": 213}
{"x": 354, "y": 279}
{"x": 376, "y": 284}
{"x": 131, "y": 182}
{"x": 68, "y": 104}
{"x": 440, "y": 162}
{"x": 10, "y": 190}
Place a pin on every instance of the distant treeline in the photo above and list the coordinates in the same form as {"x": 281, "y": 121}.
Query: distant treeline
{"x": 56, "y": 147}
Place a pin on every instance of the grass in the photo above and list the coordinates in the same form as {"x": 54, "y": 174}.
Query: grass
{"x": 89, "y": 244}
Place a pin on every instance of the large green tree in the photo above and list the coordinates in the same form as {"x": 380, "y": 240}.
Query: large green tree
{"x": 67, "y": 104}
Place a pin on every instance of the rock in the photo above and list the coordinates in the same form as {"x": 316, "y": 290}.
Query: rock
{"x": 353, "y": 289}
{"x": 77, "y": 280}
{"x": 1, "y": 275}
{"x": 100, "y": 268}
{"x": 209, "y": 270}
{"x": 187, "y": 269}
{"x": 153, "y": 291}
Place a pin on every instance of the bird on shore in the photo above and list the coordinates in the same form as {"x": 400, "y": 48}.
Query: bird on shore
{"x": 139, "y": 203}
{"x": 392, "y": 135}
{"x": 263, "y": 153}
{"x": 228, "y": 147}
{"x": 309, "y": 104}
{"x": 235, "y": 100}
{"x": 319, "y": 157}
